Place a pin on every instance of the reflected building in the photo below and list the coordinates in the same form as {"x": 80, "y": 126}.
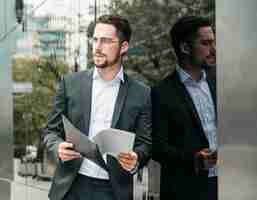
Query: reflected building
{"x": 46, "y": 33}
{"x": 53, "y": 37}
{"x": 62, "y": 35}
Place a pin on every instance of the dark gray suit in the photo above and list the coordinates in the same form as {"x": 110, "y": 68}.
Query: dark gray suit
{"x": 132, "y": 112}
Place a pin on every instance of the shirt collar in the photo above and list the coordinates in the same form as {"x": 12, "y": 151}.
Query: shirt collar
{"x": 119, "y": 76}
{"x": 184, "y": 76}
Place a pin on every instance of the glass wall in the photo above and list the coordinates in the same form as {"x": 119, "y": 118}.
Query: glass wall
{"x": 237, "y": 92}
{"x": 7, "y": 21}
{"x": 48, "y": 42}
{"x": 51, "y": 42}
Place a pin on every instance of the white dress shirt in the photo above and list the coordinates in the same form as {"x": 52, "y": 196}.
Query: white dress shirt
{"x": 104, "y": 95}
{"x": 201, "y": 96}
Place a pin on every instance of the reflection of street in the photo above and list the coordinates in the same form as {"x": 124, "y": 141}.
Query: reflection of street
{"x": 141, "y": 185}
{"x": 147, "y": 183}
{"x": 27, "y": 187}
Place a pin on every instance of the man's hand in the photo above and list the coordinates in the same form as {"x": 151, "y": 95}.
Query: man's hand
{"x": 209, "y": 158}
{"x": 128, "y": 160}
{"x": 66, "y": 153}
{"x": 205, "y": 159}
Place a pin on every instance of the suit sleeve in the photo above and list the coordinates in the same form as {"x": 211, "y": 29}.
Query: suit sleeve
{"x": 54, "y": 132}
{"x": 143, "y": 140}
{"x": 163, "y": 149}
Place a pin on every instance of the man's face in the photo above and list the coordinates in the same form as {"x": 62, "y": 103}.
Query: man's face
{"x": 106, "y": 46}
{"x": 204, "y": 47}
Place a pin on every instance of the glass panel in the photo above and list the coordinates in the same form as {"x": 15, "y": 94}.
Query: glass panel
{"x": 7, "y": 20}
{"x": 237, "y": 47}
{"x": 5, "y": 190}
{"x": 53, "y": 44}
{"x": 6, "y": 47}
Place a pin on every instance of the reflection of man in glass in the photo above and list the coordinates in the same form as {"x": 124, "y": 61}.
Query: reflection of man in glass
{"x": 94, "y": 100}
{"x": 184, "y": 115}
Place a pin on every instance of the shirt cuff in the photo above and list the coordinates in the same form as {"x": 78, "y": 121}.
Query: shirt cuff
{"x": 135, "y": 169}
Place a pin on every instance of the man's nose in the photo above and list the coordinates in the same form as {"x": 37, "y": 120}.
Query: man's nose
{"x": 213, "y": 48}
{"x": 97, "y": 44}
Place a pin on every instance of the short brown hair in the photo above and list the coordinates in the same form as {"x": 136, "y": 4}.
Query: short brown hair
{"x": 121, "y": 24}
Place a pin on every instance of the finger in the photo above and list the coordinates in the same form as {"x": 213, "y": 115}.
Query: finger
{"x": 127, "y": 162}
{"x": 124, "y": 155}
{"x": 65, "y": 145}
{"x": 67, "y": 158}
{"x": 63, "y": 148}
{"x": 128, "y": 156}
{"x": 206, "y": 151}
{"x": 67, "y": 153}
{"x": 204, "y": 154}
{"x": 71, "y": 152}
{"x": 133, "y": 155}
{"x": 126, "y": 167}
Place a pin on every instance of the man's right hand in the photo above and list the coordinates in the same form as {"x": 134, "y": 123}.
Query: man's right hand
{"x": 66, "y": 152}
{"x": 209, "y": 160}
{"x": 205, "y": 159}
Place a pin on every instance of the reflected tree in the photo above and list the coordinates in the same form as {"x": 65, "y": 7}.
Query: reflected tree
{"x": 31, "y": 109}
{"x": 151, "y": 57}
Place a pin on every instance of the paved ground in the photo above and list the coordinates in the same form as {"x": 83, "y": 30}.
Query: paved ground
{"x": 28, "y": 188}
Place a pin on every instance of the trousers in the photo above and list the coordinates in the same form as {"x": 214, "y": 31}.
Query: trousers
{"x": 87, "y": 188}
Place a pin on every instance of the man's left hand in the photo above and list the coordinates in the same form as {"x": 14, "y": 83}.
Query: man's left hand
{"x": 128, "y": 160}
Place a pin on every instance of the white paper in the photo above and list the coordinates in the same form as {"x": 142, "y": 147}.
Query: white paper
{"x": 109, "y": 141}
{"x": 114, "y": 141}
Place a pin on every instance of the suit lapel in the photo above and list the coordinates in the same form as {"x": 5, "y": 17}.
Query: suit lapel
{"x": 85, "y": 98}
{"x": 186, "y": 99}
{"x": 123, "y": 90}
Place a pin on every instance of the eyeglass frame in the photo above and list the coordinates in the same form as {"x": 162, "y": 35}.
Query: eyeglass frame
{"x": 103, "y": 40}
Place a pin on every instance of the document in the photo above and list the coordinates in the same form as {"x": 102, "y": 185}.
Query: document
{"x": 109, "y": 141}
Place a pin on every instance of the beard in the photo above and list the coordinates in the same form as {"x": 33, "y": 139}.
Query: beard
{"x": 101, "y": 61}
{"x": 101, "y": 65}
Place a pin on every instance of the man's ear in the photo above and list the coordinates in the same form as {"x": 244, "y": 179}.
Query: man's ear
{"x": 124, "y": 48}
{"x": 185, "y": 48}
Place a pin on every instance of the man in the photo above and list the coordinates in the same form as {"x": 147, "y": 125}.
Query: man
{"x": 94, "y": 100}
{"x": 184, "y": 116}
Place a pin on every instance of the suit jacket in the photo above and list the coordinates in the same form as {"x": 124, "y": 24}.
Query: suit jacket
{"x": 177, "y": 136}
{"x": 132, "y": 112}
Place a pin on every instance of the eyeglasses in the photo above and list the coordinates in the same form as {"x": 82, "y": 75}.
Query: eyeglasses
{"x": 102, "y": 40}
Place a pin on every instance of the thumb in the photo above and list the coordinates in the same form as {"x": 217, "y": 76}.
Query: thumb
{"x": 133, "y": 155}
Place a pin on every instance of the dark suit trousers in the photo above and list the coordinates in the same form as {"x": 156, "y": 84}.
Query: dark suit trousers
{"x": 209, "y": 191}
{"x": 87, "y": 188}
{"x": 212, "y": 188}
